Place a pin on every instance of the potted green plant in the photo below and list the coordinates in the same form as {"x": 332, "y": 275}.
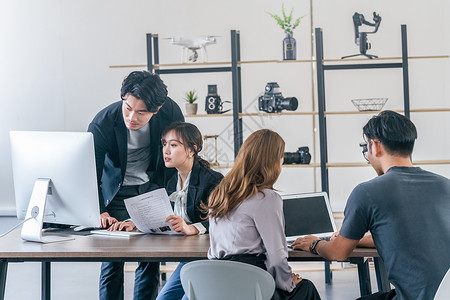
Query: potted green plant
{"x": 288, "y": 25}
{"x": 191, "y": 106}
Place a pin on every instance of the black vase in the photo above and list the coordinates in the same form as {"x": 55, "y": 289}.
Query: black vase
{"x": 289, "y": 47}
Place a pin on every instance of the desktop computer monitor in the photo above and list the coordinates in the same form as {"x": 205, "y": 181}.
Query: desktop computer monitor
{"x": 54, "y": 180}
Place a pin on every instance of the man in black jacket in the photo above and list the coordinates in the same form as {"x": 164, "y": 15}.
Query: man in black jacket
{"x": 129, "y": 162}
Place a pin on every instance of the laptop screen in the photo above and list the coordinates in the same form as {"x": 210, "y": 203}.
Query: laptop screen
{"x": 308, "y": 214}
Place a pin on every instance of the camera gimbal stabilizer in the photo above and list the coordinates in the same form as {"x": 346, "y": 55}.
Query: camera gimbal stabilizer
{"x": 361, "y": 37}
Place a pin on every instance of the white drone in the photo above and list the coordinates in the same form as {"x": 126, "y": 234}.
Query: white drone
{"x": 193, "y": 44}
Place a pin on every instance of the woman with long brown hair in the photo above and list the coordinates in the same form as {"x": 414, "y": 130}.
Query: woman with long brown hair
{"x": 246, "y": 220}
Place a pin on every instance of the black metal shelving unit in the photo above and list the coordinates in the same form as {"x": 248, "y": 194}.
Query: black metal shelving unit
{"x": 234, "y": 69}
{"x": 321, "y": 68}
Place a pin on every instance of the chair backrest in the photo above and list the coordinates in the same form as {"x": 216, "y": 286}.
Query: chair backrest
{"x": 443, "y": 292}
{"x": 224, "y": 280}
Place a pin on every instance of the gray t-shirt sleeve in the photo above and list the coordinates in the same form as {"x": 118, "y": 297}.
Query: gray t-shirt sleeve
{"x": 357, "y": 215}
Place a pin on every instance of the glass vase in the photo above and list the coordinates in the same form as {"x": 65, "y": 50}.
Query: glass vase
{"x": 289, "y": 47}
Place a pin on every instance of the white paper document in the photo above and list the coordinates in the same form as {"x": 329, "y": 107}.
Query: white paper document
{"x": 149, "y": 211}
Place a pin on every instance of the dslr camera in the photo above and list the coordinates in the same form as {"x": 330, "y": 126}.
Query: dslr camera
{"x": 272, "y": 101}
{"x": 301, "y": 156}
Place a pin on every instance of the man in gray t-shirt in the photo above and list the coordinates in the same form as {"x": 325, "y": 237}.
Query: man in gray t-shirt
{"x": 406, "y": 210}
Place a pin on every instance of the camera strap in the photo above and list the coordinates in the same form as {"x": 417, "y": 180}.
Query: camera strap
{"x": 222, "y": 112}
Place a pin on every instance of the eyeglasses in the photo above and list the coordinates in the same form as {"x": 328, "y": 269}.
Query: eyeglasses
{"x": 364, "y": 147}
{"x": 364, "y": 150}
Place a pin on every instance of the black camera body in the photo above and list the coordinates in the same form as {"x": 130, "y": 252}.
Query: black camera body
{"x": 301, "y": 156}
{"x": 213, "y": 103}
{"x": 272, "y": 101}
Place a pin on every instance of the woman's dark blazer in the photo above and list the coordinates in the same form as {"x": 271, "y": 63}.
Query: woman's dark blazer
{"x": 201, "y": 183}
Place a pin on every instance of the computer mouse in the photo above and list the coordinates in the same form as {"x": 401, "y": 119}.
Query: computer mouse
{"x": 84, "y": 228}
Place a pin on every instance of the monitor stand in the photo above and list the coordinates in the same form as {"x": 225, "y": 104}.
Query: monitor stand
{"x": 32, "y": 228}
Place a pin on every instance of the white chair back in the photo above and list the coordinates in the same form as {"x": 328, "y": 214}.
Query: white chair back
{"x": 224, "y": 280}
{"x": 443, "y": 292}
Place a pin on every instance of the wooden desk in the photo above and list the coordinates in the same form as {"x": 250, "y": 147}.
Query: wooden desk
{"x": 95, "y": 248}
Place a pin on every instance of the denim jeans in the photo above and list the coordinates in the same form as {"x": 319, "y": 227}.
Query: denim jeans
{"x": 173, "y": 290}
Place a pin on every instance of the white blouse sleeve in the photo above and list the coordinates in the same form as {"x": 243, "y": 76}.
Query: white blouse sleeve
{"x": 269, "y": 221}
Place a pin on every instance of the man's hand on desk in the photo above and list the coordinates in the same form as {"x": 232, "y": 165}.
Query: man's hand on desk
{"x": 303, "y": 243}
{"x": 338, "y": 248}
{"x": 122, "y": 226}
{"x": 106, "y": 220}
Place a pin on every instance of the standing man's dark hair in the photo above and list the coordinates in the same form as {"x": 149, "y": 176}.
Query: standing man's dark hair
{"x": 147, "y": 87}
{"x": 396, "y": 132}
{"x": 129, "y": 162}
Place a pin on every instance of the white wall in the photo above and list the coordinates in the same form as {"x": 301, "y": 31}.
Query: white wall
{"x": 31, "y": 82}
{"x": 55, "y": 75}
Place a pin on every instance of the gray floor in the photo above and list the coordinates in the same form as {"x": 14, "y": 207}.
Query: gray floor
{"x": 73, "y": 281}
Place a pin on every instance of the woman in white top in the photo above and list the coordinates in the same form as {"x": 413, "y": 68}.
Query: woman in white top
{"x": 188, "y": 189}
{"x": 246, "y": 220}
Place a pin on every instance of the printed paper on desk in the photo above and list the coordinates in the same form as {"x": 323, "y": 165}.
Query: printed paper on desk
{"x": 149, "y": 211}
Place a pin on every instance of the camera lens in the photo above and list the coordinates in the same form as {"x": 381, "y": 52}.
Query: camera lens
{"x": 301, "y": 156}
{"x": 291, "y": 158}
{"x": 289, "y": 103}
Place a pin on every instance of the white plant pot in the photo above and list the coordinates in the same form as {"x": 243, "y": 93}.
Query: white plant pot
{"x": 191, "y": 108}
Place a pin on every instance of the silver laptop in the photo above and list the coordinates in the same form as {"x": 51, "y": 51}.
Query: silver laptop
{"x": 306, "y": 214}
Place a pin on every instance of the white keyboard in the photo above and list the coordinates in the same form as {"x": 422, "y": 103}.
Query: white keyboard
{"x": 123, "y": 234}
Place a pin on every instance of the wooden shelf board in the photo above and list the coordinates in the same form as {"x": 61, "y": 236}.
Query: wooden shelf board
{"x": 310, "y": 165}
{"x": 353, "y": 112}
{"x": 128, "y": 66}
{"x": 208, "y": 115}
{"x": 431, "y": 162}
{"x": 384, "y": 58}
{"x": 430, "y": 110}
{"x": 364, "y": 164}
{"x": 337, "y": 59}
{"x": 302, "y": 113}
{"x": 261, "y": 114}
{"x": 277, "y": 61}
{"x": 378, "y": 111}
{"x": 157, "y": 66}
{"x": 346, "y": 164}
{"x": 338, "y": 215}
{"x": 224, "y": 166}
